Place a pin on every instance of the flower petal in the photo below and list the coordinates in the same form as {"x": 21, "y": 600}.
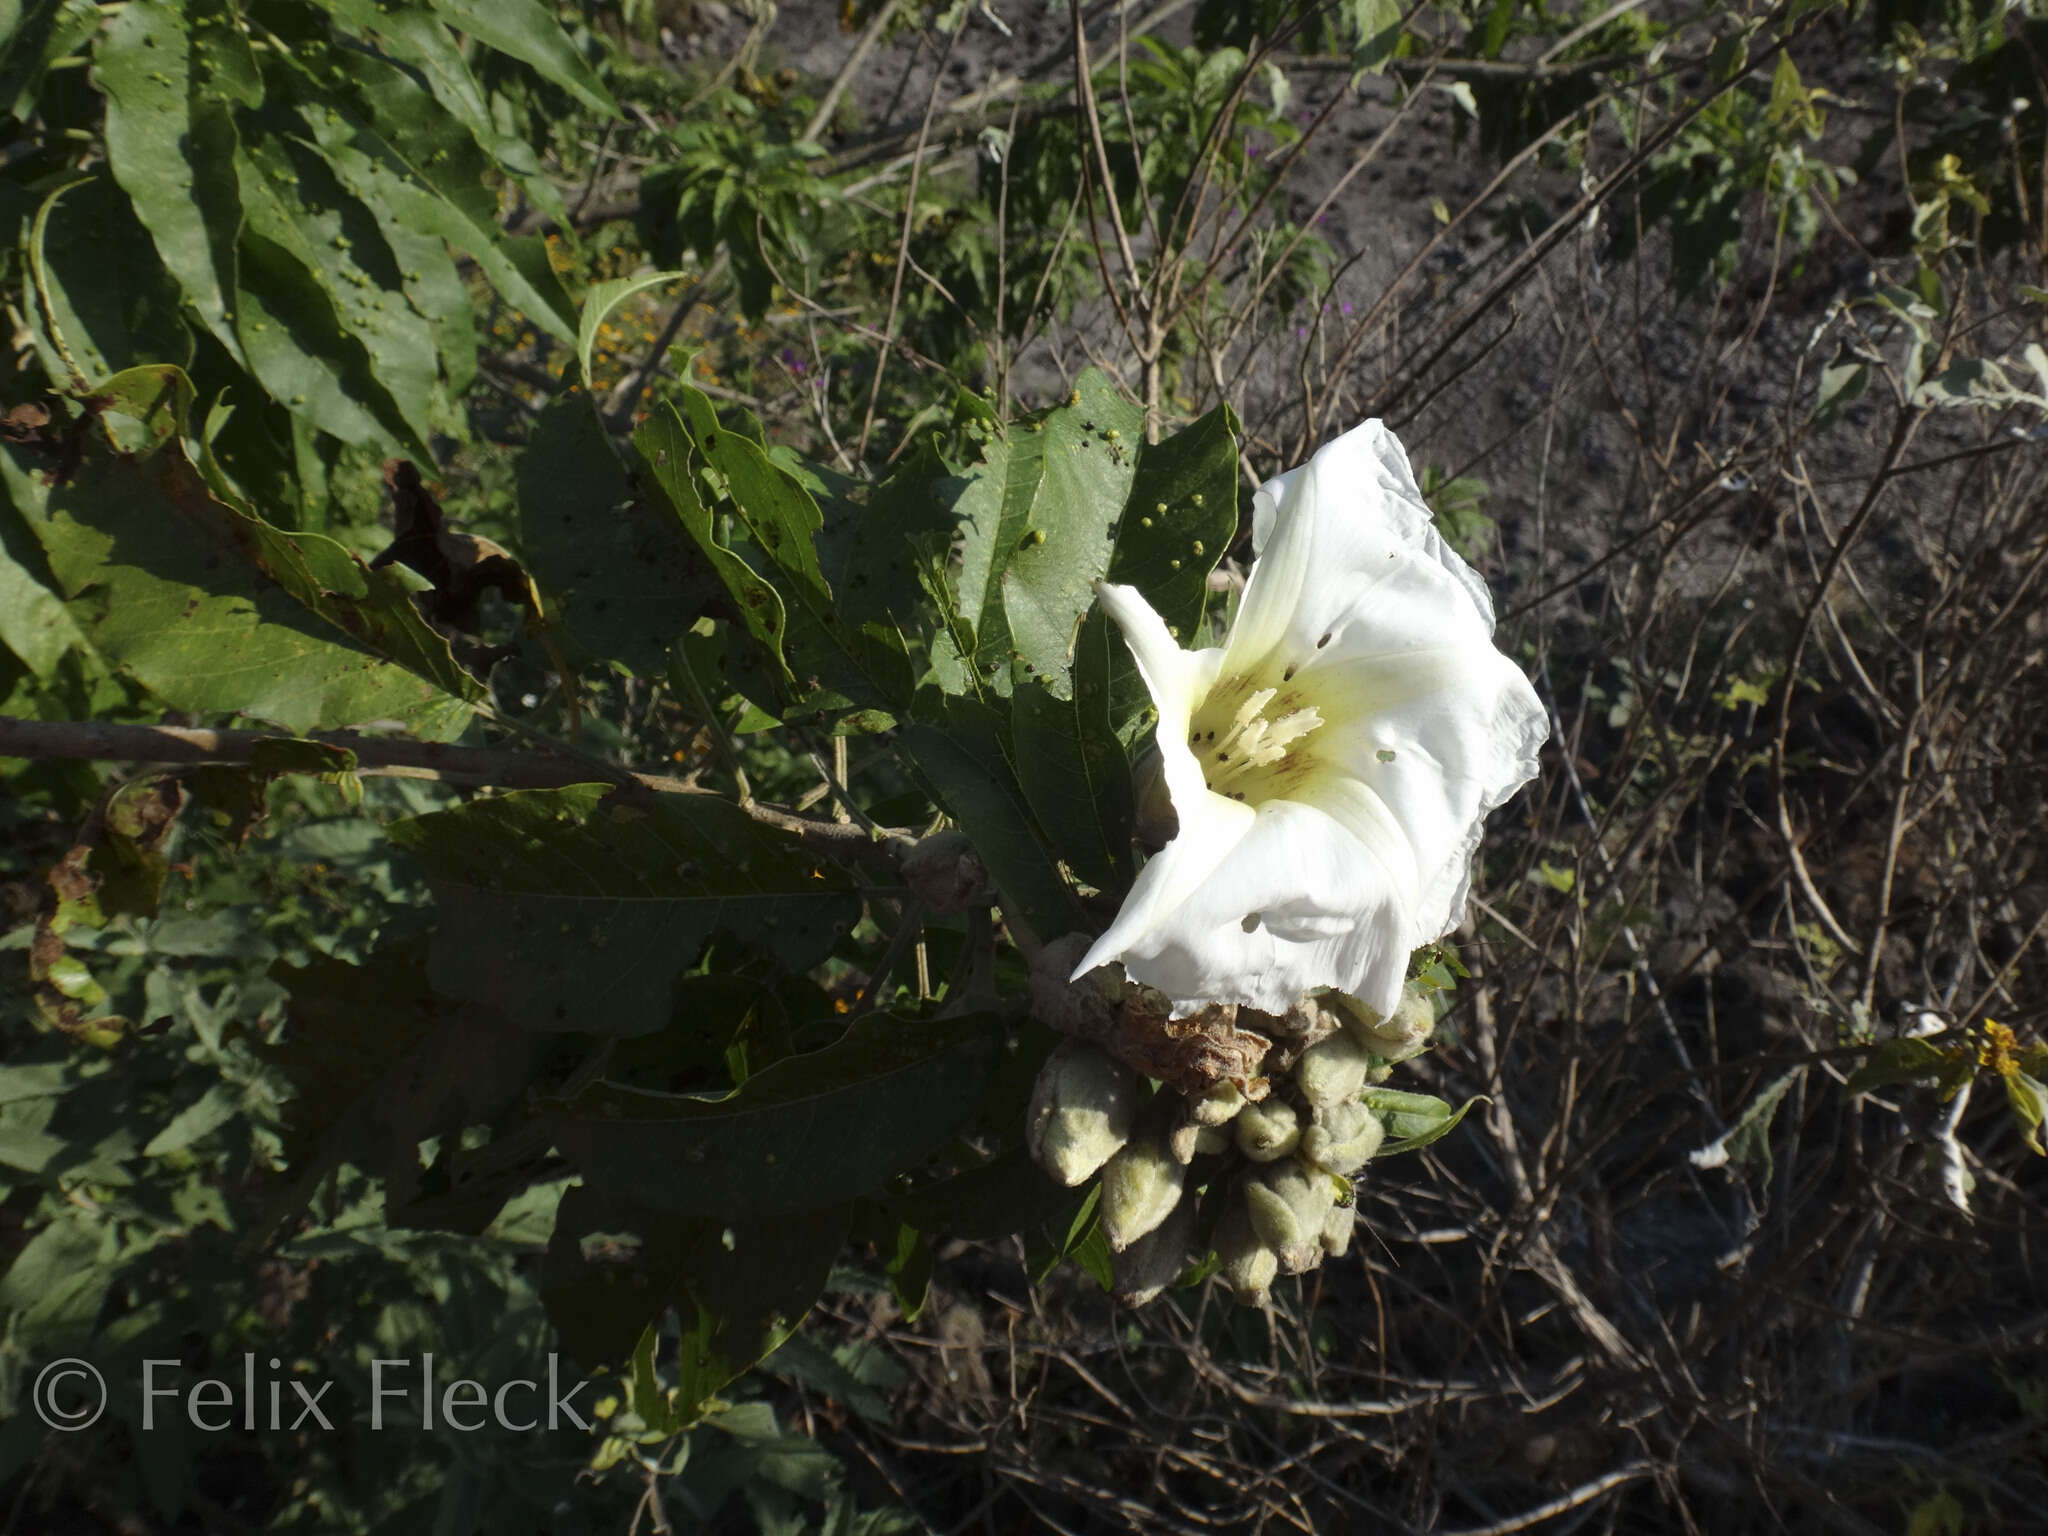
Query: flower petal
{"x": 1294, "y": 903}
{"x": 1331, "y": 535}
{"x": 1439, "y": 737}
{"x": 1211, "y": 827}
{"x": 1176, "y": 679}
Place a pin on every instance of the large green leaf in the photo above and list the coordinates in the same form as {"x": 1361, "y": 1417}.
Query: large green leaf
{"x": 173, "y": 158}
{"x": 740, "y": 1286}
{"x": 605, "y": 297}
{"x": 420, "y": 168}
{"x": 870, "y": 552}
{"x": 529, "y": 32}
{"x": 569, "y": 910}
{"x": 809, "y": 1132}
{"x": 617, "y": 572}
{"x": 666, "y": 453}
{"x": 1038, "y": 520}
{"x": 417, "y": 227}
{"x": 110, "y": 304}
{"x": 197, "y": 600}
{"x": 460, "y": 109}
{"x": 1182, "y": 517}
{"x": 379, "y": 1063}
{"x": 315, "y": 262}
{"x": 34, "y": 623}
{"x": 959, "y": 748}
{"x": 865, "y": 663}
{"x": 1071, "y": 765}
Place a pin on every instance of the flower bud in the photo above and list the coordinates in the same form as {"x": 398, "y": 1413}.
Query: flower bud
{"x": 1393, "y": 1038}
{"x": 1157, "y": 1259}
{"x": 1244, "y": 1262}
{"x": 1140, "y": 1187}
{"x": 946, "y": 872}
{"x": 1288, "y": 1205}
{"x": 1332, "y": 1070}
{"x": 1219, "y": 1106}
{"x": 1081, "y": 1111}
{"x": 1337, "y": 1230}
{"x": 1344, "y": 1139}
{"x": 1267, "y": 1130}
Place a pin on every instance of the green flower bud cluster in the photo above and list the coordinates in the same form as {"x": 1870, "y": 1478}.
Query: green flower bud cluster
{"x": 1260, "y": 1172}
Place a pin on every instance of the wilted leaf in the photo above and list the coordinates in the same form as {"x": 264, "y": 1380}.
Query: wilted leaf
{"x": 1747, "y": 1143}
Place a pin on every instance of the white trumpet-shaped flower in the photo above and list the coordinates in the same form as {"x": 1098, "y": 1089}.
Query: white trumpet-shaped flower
{"x": 1332, "y": 763}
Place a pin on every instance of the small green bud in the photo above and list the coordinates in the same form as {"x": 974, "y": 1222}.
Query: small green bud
{"x": 1287, "y": 1205}
{"x": 1343, "y": 1139}
{"x": 1332, "y": 1070}
{"x": 1394, "y": 1038}
{"x": 1337, "y": 1229}
{"x": 1267, "y": 1130}
{"x": 1081, "y": 1111}
{"x": 1140, "y": 1187}
{"x": 1191, "y": 1140}
{"x": 1219, "y": 1106}
{"x": 1157, "y": 1259}
{"x": 1244, "y": 1262}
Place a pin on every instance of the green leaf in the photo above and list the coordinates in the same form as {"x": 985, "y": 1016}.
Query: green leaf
{"x": 529, "y": 32}
{"x": 409, "y": 163}
{"x": 2029, "y": 1101}
{"x": 452, "y": 135}
{"x": 1414, "y": 1120}
{"x": 157, "y": 397}
{"x": 617, "y": 572}
{"x": 809, "y": 1132}
{"x": 958, "y": 749}
{"x": 665, "y": 450}
{"x": 1377, "y": 25}
{"x": 1071, "y": 765}
{"x": 1902, "y": 1060}
{"x": 740, "y": 1287}
{"x": 173, "y": 158}
{"x": 34, "y": 623}
{"x": 605, "y": 297}
{"x": 379, "y": 1063}
{"x": 110, "y": 304}
{"x": 1181, "y": 518}
{"x": 1747, "y": 1143}
{"x": 324, "y": 322}
{"x": 569, "y": 910}
{"x": 196, "y": 600}
{"x": 212, "y": 1110}
{"x": 54, "y": 1287}
{"x": 30, "y": 45}
{"x": 869, "y": 554}
{"x": 1038, "y": 522}
{"x": 867, "y": 664}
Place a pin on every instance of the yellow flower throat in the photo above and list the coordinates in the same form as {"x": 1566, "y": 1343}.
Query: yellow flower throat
{"x": 1246, "y": 756}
